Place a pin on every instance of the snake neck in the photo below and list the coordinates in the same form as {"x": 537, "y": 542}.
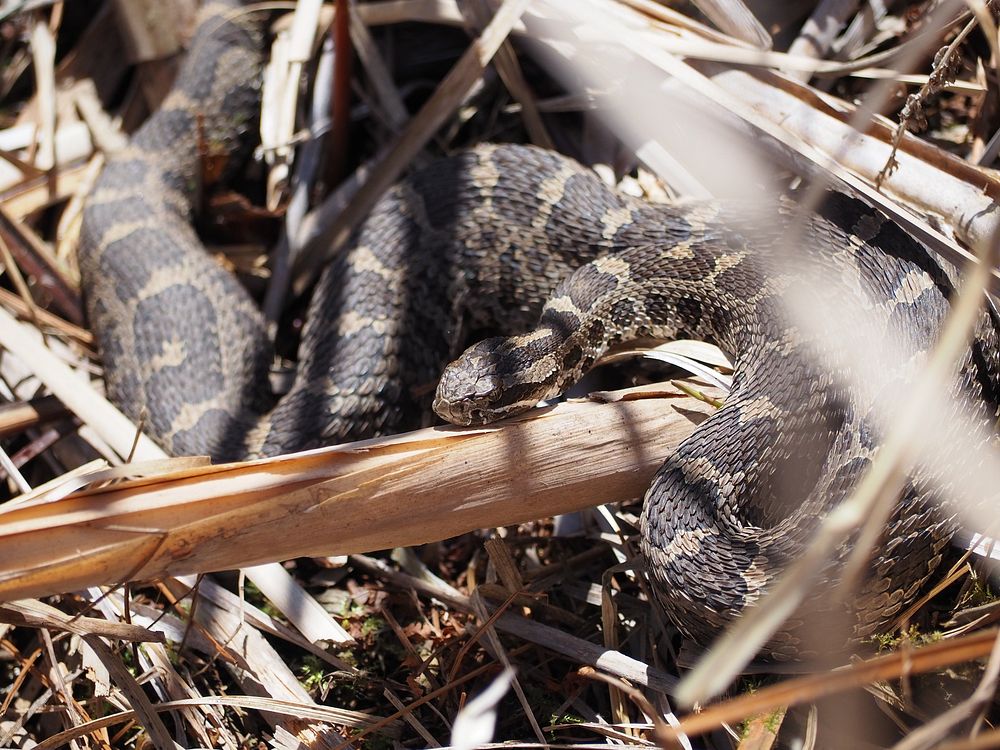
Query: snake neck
{"x": 644, "y": 292}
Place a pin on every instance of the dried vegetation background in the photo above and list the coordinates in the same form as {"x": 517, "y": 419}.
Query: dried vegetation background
{"x": 348, "y": 646}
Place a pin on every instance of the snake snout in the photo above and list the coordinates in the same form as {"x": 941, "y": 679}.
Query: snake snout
{"x": 473, "y": 389}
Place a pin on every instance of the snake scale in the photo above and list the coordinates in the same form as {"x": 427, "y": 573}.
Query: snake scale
{"x": 514, "y": 239}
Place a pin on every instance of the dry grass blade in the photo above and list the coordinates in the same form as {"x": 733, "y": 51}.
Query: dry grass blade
{"x": 476, "y": 721}
{"x": 984, "y": 741}
{"x": 389, "y": 99}
{"x": 113, "y": 426}
{"x": 216, "y": 596}
{"x": 578, "y": 650}
{"x": 899, "y": 448}
{"x": 776, "y": 609}
{"x": 35, "y": 258}
{"x": 488, "y": 630}
{"x": 509, "y": 69}
{"x": 218, "y": 627}
{"x": 813, "y": 126}
{"x": 40, "y": 615}
{"x": 338, "y": 716}
{"x": 45, "y": 318}
{"x": 419, "y": 701}
{"x": 283, "y": 592}
{"x": 19, "y": 282}
{"x": 931, "y": 733}
{"x": 803, "y": 129}
{"x": 145, "y": 713}
{"x": 170, "y": 516}
{"x": 117, "y": 431}
{"x": 808, "y": 689}
{"x": 660, "y": 727}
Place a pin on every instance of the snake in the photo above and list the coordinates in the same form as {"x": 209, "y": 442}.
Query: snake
{"x": 532, "y": 255}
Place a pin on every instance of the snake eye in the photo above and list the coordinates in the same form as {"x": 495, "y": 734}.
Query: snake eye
{"x": 488, "y": 388}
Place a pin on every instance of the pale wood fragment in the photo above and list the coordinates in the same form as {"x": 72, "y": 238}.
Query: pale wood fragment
{"x": 43, "y": 52}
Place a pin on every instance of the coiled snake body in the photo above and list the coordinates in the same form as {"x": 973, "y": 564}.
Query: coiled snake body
{"x": 488, "y": 240}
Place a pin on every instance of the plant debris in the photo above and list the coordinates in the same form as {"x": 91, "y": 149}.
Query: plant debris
{"x": 506, "y": 620}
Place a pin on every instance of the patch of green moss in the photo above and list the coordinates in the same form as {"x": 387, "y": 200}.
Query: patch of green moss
{"x": 979, "y": 593}
{"x": 891, "y": 641}
{"x": 773, "y": 720}
{"x": 313, "y": 674}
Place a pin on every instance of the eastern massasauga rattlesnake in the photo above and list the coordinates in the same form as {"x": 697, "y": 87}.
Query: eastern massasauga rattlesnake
{"x": 480, "y": 241}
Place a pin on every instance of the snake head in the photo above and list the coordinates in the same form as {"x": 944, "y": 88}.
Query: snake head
{"x": 496, "y": 378}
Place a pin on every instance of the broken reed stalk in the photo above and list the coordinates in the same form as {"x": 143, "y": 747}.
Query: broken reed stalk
{"x": 414, "y": 488}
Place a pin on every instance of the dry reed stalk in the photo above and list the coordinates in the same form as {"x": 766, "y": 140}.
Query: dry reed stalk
{"x": 367, "y": 471}
{"x": 290, "y": 52}
{"x": 813, "y": 687}
{"x": 116, "y": 430}
{"x": 293, "y": 710}
{"x": 365, "y": 496}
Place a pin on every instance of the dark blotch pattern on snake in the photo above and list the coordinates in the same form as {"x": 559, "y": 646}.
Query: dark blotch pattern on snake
{"x": 488, "y": 240}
